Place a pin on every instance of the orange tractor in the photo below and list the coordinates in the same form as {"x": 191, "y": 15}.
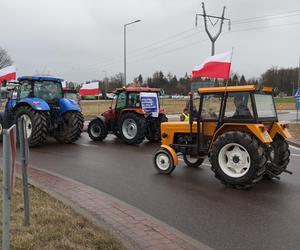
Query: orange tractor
{"x": 237, "y": 128}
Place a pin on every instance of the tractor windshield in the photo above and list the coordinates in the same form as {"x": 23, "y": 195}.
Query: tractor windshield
{"x": 47, "y": 90}
{"x": 265, "y": 105}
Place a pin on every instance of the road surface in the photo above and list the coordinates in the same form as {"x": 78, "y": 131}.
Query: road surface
{"x": 191, "y": 200}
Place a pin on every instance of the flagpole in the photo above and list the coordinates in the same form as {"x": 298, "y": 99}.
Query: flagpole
{"x": 229, "y": 68}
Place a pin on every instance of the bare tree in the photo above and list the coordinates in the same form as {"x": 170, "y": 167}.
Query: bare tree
{"x": 5, "y": 59}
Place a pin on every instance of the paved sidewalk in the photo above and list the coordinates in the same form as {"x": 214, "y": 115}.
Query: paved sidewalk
{"x": 135, "y": 229}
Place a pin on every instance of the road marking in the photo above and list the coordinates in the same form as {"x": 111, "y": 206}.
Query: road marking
{"x": 87, "y": 145}
{"x": 291, "y": 146}
{"x": 295, "y": 155}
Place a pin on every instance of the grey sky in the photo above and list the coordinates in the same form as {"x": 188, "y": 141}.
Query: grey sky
{"x": 78, "y": 39}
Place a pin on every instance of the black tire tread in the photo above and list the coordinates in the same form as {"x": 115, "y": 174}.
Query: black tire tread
{"x": 103, "y": 130}
{"x": 141, "y": 124}
{"x": 39, "y": 125}
{"x": 281, "y": 160}
{"x": 257, "y": 154}
{"x": 73, "y": 132}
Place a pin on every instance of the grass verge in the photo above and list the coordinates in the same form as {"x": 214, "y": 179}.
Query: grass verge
{"x": 295, "y": 131}
{"x": 173, "y": 106}
{"x": 53, "y": 225}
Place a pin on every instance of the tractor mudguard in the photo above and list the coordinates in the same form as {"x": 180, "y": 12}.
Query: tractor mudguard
{"x": 258, "y": 130}
{"x": 277, "y": 128}
{"x": 101, "y": 117}
{"x": 68, "y": 105}
{"x": 35, "y": 103}
{"x": 172, "y": 152}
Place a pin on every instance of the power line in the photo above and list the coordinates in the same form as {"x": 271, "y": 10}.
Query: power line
{"x": 109, "y": 65}
{"x": 150, "y": 47}
{"x": 265, "y": 16}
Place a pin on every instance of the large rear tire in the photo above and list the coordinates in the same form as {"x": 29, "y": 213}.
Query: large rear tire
{"x": 238, "y": 160}
{"x": 35, "y": 123}
{"x": 97, "y": 130}
{"x": 72, "y": 127}
{"x": 155, "y": 135}
{"x": 132, "y": 128}
{"x": 279, "y": 157}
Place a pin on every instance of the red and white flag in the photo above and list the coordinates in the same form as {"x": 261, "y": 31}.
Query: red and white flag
{"x": 8, "y": 73}
{"x": 217, "y": 66}
{"x": 91, "y": 88}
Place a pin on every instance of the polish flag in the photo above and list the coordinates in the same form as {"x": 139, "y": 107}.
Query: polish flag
{"x": 8, "y": 73}
{"x": 217, "y": 66}
{"x": 91, "y": 88}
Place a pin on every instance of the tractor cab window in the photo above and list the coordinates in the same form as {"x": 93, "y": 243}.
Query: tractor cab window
{"x": 265, "y": 105}
{"x": 25, "y": 90}
{"x": 121, "y": 101}
{"x": 238, "y": 105}
{"x": 48, "y": 90}
{"x": 211, "y": 105}
{"x": 133, "y": 100}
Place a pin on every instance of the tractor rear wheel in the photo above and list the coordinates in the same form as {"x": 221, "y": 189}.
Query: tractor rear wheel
{"x": 192, "y": 162}
{"x": 279, "y": 157}
{"x": 72, "y": 127}
{"x": 238, "y": 160}
{"x": 163, "y": 161}
{"x": 154, "y": 136}
{"x": 132, "y": 128}
{"x": 97, "y": 130}
{"x": 35, "y": 124}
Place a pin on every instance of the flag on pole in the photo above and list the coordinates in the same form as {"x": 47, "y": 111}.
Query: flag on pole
{"x": 8, "y": 73}
{"x": 91, "y": 88}
{"x": 217, "y": 66}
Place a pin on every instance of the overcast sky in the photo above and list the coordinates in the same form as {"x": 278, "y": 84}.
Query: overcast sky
{"x": 80, "y": 39}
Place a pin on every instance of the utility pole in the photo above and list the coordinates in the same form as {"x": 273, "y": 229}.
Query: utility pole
{"x": 213, "y": 23}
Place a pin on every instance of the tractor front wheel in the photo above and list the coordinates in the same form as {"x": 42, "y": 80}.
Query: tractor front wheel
{"x": 279, "y": 157}
{"x": 97, "y": 130}
{"x": 238, "y": 160}
{"x": 72, "y": 127}
{"x": 35, "y": 125}
{"x": 132, "y": 128}
{"x": 163, "y": 161}
{"x": 192, "y": 162}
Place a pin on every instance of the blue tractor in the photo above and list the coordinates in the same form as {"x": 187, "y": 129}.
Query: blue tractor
{"x": 40, "y": 101}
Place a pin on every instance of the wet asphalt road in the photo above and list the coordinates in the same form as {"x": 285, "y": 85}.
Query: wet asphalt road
{"x": 191, "y": 200}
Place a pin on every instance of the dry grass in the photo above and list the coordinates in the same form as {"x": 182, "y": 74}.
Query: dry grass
{"x": 295, "y": 131}
{"x": 173, "y": 106}
{"x": 53, "y": 225}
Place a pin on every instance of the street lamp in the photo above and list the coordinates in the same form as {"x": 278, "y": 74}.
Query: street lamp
{"x": 125, "y": 25}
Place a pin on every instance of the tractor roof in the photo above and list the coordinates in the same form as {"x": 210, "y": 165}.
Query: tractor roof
{"x": 243, "y": 88}
{"x": 40, "y": 78}
{"x": 136, "y": 89}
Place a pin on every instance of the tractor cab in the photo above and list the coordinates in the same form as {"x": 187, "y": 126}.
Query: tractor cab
{"x": 237, "y": 128}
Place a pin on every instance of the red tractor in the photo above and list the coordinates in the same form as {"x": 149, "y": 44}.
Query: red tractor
{"x": 134, "y": 115}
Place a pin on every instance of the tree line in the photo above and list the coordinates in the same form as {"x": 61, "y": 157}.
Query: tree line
{"x": 284, "y": 80}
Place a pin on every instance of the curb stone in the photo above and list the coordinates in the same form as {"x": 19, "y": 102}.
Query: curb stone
{"x": 134, "y": 228}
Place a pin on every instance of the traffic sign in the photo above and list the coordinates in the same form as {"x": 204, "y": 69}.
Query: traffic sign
{"x": 297, "y": 93}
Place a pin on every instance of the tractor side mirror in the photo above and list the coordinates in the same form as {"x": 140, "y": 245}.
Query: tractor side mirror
{"x": 5, "y": 93}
